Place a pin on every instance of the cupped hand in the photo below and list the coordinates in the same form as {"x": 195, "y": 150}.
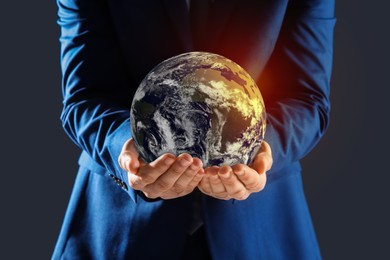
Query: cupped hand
{"x": 167, "y": 177}
{"x": 239, "y": 181}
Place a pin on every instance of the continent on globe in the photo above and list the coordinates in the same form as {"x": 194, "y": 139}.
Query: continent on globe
{"x": 202, "y": 104}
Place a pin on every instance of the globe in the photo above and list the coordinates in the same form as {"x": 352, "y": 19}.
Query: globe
{"x": 202, "y": 104}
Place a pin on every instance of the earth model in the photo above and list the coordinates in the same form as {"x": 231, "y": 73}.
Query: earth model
{"x": 202, "y": 104}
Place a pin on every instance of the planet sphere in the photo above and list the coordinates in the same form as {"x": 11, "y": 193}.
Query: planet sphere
{"x": 202, "y": 104}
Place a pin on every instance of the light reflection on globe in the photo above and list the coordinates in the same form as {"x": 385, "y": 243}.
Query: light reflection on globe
{"x": 202, "y": 104}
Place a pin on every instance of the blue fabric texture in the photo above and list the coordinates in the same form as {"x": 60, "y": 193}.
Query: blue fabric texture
{"x": 107, "y": 47}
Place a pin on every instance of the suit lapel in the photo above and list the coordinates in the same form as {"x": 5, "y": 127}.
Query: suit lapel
{"x": 177, "y": 13}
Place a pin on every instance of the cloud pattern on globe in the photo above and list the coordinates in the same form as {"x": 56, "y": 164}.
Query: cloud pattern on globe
{"x": 202, "y": 104}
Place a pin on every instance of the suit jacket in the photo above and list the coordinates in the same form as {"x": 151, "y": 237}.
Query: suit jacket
{"x": 107, "y": 47}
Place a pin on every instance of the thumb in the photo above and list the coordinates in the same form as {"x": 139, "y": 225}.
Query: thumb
{"x": 129, "y": 157}
{"x": 263, "y": 161}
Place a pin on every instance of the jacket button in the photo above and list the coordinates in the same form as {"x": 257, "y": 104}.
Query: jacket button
{"x": 124, "y": 186}
{"x": 118, "y": 181}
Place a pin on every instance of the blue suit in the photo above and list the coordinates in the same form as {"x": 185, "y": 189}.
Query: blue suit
{"x": 107, "y": 47}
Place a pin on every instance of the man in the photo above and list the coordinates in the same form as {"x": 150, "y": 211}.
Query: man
{"x": 172, "y": 208}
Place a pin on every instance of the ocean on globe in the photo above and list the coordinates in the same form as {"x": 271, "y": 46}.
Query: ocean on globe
{"x": 202, "y": 104}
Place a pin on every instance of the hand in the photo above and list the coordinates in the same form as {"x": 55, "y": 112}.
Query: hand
{"x": 167, "y": 177}
{"x": 239, "y": 181}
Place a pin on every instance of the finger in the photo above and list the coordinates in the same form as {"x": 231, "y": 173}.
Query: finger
{"x": 216, "y": 184}
{"x": 234, "y": 187}
{"x": 250, "y": 178}
{"x": 149, "y": 173}
{"x": 166, "y": 180}
{"x": 194, "y": 182}
{"x": 187, "y": 177}
{"x": 171, "y": 194}
{"x": 128, "y": 158}
{"x": 204, "y": 185}
{"x": 263, "y": 160}
{"x": 135, "y": 181}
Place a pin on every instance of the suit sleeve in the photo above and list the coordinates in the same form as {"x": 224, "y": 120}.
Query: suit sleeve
{"x": 295, "y": 82}
{"x": 96, "y": 96}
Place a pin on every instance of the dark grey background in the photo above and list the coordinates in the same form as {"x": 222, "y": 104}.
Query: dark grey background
{"x": 346, "y": 178}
